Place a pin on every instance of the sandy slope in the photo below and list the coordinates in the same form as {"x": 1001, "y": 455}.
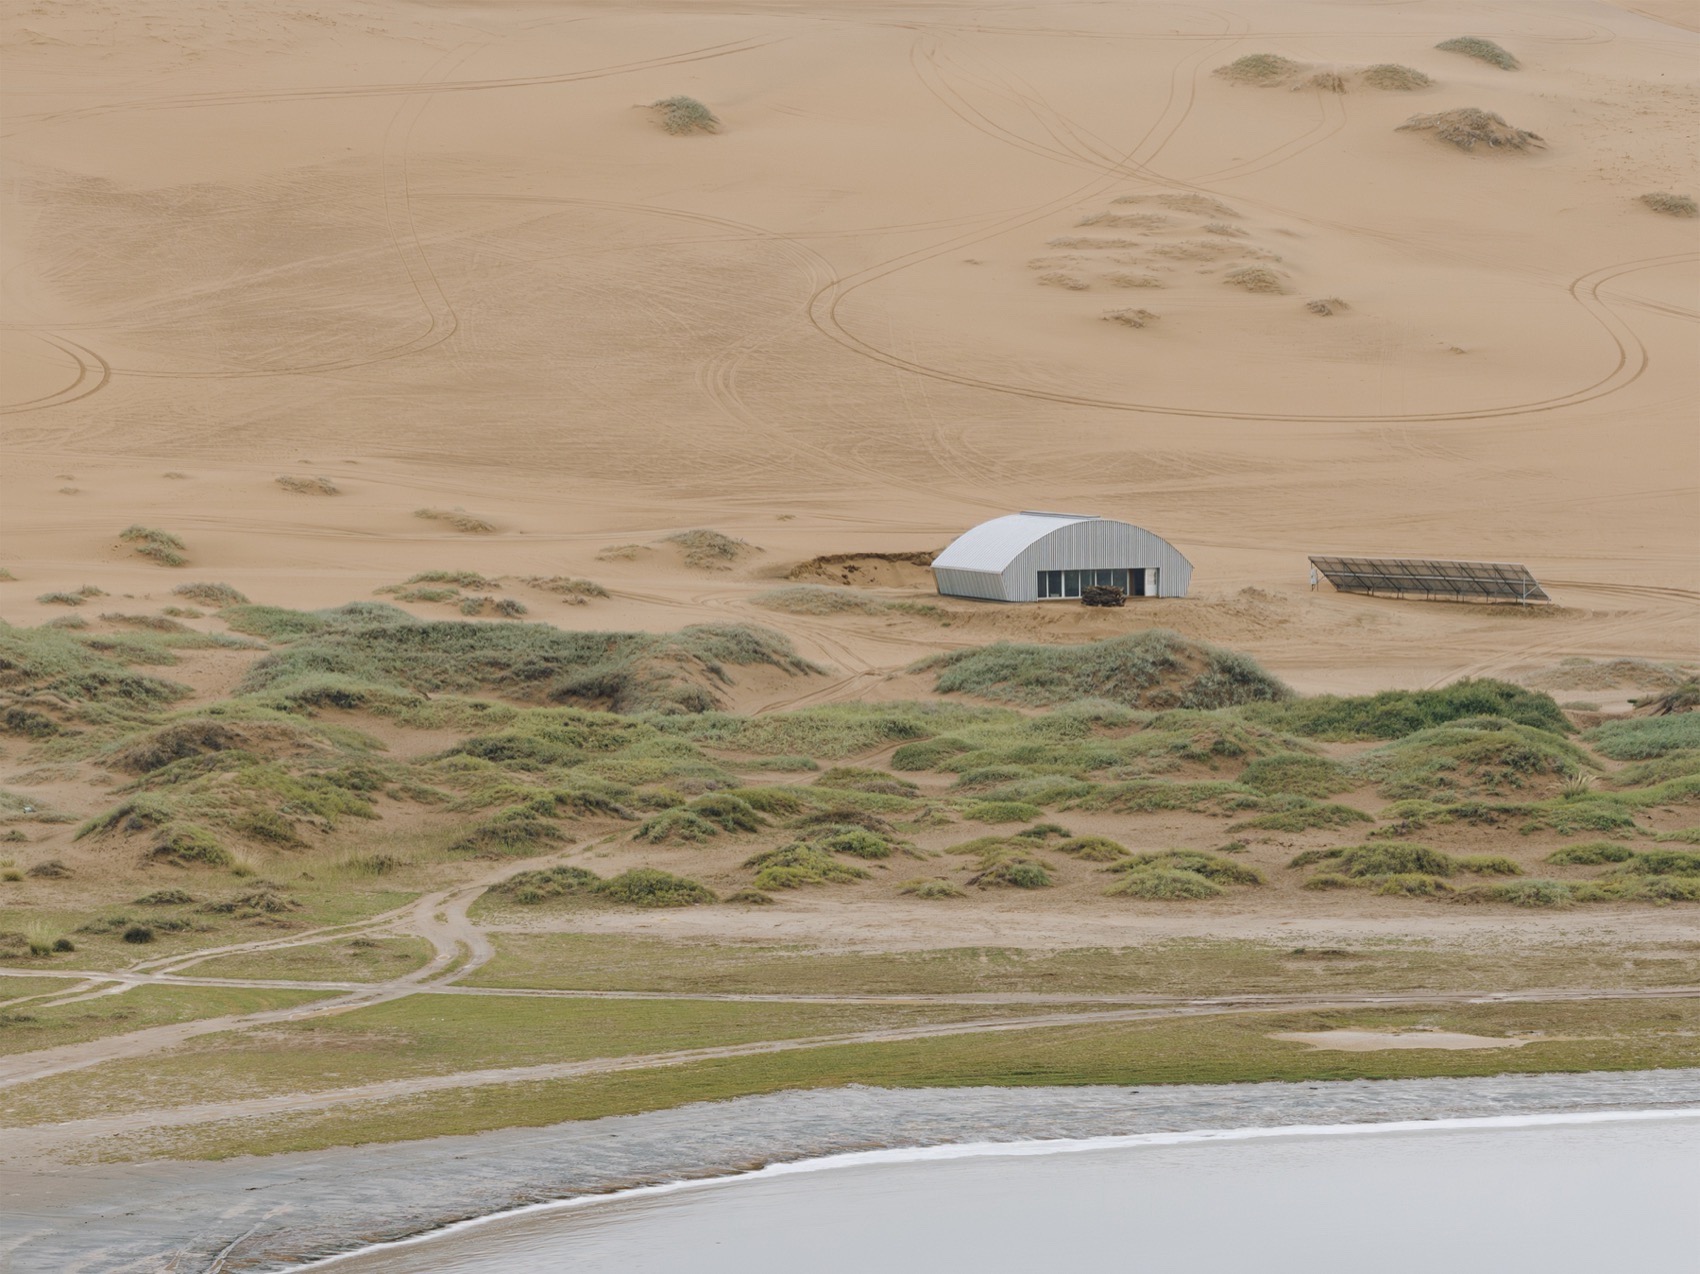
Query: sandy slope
{"x": 443, "y": 256}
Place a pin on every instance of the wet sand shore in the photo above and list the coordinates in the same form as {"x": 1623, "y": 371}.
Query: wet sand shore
{"x": 271, "y": 1212}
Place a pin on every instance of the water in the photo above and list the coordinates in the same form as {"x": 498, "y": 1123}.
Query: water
{"x": 1555, "y": 1193}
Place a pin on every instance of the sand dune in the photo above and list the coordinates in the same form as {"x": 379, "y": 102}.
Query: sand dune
{"x": 443, "y": 257}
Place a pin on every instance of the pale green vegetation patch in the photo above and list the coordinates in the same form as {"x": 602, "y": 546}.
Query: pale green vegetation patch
{"x": 1154, "y": 669}
{"x": 682, "y": 116}
{"x": 709, "y": 550}
{"x": 1392, "y": 77}
{"x": 1238, "y": 1048}
{"x": 353, "y": 959}
{"x": 1260, "y": 68}
{"x": 1467, "y": 127}
{"x": 157, "y": 546}
{"x": 30, "y": 1027}
{"x": 1480, "y": 49}
{"x": 1672, "y": 205}
{"x": 1642, "y": 738}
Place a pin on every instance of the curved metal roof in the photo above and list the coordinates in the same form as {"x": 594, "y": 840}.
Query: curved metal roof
{"x": 993, "y": 545}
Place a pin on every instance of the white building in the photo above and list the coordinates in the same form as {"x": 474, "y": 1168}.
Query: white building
{"x": 1029, "y": 557}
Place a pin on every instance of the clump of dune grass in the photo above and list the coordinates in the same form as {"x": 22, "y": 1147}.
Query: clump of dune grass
{"x": 1130, "y": 318}
{"x": 307, "y": 486}
{"x": 798, "y": 864}
{"x": 217, "y": 596}
{"x": 1326, "y": 305}
{"x": 71, "y": 599}
{"x": 457, "y": 518}
{"x": 1255, "y": 278}
{"x": 854, "y": 778}
{"x": 1263, "y": 69}
{"x": 1296, "y": 774}
{"x": 1672, "y": 205}
{"x": 1008, "y": 867}
{"x": 708, "y": 550}
{"x": 622, "y": 552}
{"x": 1092, "y": 849}
{"x": 1215, "y": 869}
{"x": 817, "y": 599}
{"x": 1154, "y": 669}
{"x": 459, "y": 579}
{"x": 533, "y": 887}
{"x": 931, "y": 890}
{"x": 1323, "y": 82}
{"x": 155, "y": 545}
{"x": 1394, "y": 78}
{"x": 1468, "y": 126}
{"x": 1122, "y": 279}
{"x": 577, "y": 592}
{"x": 1480, "y": 49}
{"x": 751, "y": 898}
{"x": 682, "y": 116}
{"x": 1061, "y": 279}
{"x": 1163, "y": 884}
{"x": 1591, "y": 854}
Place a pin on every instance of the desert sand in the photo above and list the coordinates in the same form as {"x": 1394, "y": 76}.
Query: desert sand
{"x": 279, "y": 279}
{"x": 445, "y": 256}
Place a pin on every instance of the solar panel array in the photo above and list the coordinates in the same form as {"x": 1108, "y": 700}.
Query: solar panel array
{"x": 1423, "y": 577}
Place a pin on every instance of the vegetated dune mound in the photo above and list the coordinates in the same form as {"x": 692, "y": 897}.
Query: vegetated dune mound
{"x": 1156, "y": 669}
{"x": 1672, "y": 205}
{"x": 1271, "y": 70}
{"x": 868, "y": 570}
{"x": 1168, "y": 239}
{"x": 1469, "y": 126}
{"x": 1482, "y": 50}
{"x": 706, "y": 550}
{"x": 205, "y": 736}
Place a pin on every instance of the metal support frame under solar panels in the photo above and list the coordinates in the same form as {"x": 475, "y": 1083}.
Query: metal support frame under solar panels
{"x": 1432, "y": 580}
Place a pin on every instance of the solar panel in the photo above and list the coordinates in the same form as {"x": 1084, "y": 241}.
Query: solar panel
{"x": 1424, "y": 577}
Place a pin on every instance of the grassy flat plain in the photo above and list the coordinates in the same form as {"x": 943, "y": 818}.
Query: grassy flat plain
{"x": 1603, "y": 1037}
{"x": 30, "y": 1027}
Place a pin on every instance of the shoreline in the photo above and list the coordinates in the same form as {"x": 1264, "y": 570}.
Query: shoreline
{"x": 285, "y": 1211}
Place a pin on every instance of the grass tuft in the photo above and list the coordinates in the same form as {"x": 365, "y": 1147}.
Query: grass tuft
{"x": 459, "y": 519}
{"x": 307, "y": 486}
{"x": 682, "y": 116}
{"x": 155, "y": 545}
{"x": 1672, "y": 205}
{"x": 1469, "y": 126}
{"x": 1260, "y": 68}
{"x": 708, "y": 550}
{"x": 217, "y": 596}
{"x": 1394, "y": 78}
{"x": 1480, "y": 49}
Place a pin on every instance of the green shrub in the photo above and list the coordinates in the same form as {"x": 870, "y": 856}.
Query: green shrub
{"x": 858, "y": 842}
{"x": 165, "y": 898}
{"x": 727, "y": 812}
{"x": 1391, "y": 860}
{"x": 1487, "y": 865}
{"x": 138, "y": 934}
{"x": 1591, "y": 854}
{"x": 1395, "y": 78}
{"x": 928, "y": 754}
{"x": 1163, "y": 884}
{"x": 1011, "y": 869}
{"x": 155, "y": 545}
{"x": 1662, "y": 862}
{"x": 185, "y": 845}
{"x": 1480, "y": 49}
{"x": 866, "y": 781}
{"x": 1091, "y": 849}
{"x": 1296, "y": 774}
{"x": 1218, "y": 871}
{"x": 46, "y": 661}
{"x": 1522, "y": 893}
{"x": 681, "y": 116}
{"x": 1410, "y": 885}
{"x": 1002, "y": 812}
{"x": 791, "y": 866}
{"x": 515, "y": 832}
{"x": 1642, "y": 738}
{"x": 676, "y": 825}
{"x": 1156, "y": 668}
{"x": 531, "y": 887}
{"x": 752, "y": 897}
{"x": 1393, "y": 714}
{"x": 1303, "y": 817}
{"x": 1672, "y": 205}
{"x": 930, "y": 890}
{"x": 1260, "y": 68}
{"x": 648, "y": 887}
{"x": 217, "y": 596}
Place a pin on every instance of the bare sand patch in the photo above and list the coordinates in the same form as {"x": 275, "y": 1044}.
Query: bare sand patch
{"x": 1379, "y": 1041}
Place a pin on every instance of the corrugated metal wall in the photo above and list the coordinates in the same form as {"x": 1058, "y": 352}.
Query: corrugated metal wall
{"x": 979, "y": 584}
{"x": 1099, "y": 544}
